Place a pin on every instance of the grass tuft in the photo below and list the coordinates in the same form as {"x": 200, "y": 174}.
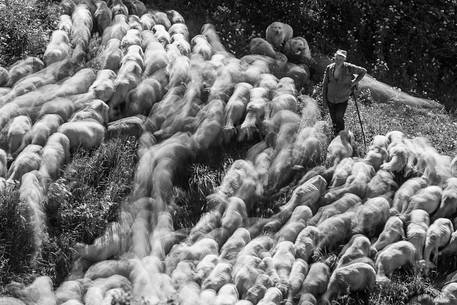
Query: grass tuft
{"x": 204, "y": 176}
{"x": 16, "y": 244}
{"x": 191, "y": 198}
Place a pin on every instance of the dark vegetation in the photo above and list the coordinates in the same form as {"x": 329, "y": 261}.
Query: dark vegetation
{"x": 15, "y": 241}
{"x": 80, "y": 205}
{"x": 409, "y": 44}
{"x": 202, "y": 179}
{"x": 25, "y": 27}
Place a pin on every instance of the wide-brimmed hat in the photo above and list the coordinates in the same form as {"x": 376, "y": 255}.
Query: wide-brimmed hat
{"x": 341, "y": 53}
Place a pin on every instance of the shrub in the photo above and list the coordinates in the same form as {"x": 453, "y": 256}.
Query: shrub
{"x": 24, "y": 28}
{"x": 409, "y": 43}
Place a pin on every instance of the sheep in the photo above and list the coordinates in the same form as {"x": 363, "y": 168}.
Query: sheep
{"x": 438, "y": 236}
{"x": 392, "y": 257}
{"x": 393, "y": 231}
{"x": 341, "y": 147}
{"x": 353, "y": 277}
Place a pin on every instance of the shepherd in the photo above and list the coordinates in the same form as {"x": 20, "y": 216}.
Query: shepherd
{"x": 337, "y": 86}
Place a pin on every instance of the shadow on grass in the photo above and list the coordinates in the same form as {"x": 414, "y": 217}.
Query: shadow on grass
{"x": 201, "y": 179}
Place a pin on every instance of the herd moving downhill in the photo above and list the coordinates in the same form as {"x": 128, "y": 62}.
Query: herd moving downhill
{"x": 183, "y": 96}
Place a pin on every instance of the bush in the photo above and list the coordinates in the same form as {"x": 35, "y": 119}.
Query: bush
{"x": 24, "y": 28}
{"x": 409, "y": 43}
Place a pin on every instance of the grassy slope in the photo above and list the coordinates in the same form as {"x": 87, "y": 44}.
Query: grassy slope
{"x": 93, "y": 185}
{"x": 80, "y": 204}
{"x": 441, "y": 129}
{"x": 438, "y": 126}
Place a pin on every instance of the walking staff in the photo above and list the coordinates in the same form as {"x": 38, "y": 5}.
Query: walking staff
{"x": 360, "y": 119}
{"x": 338, "y": 85}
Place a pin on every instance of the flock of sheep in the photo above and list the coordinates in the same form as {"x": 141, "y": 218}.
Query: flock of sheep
{"x": 183, "y": 97}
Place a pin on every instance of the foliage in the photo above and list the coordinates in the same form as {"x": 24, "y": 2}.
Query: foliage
{"x": 204, "y": 176}
{"x": 80, "y": 204}
{"x": 411, "y": 44}
{"x": 15, "y": 236}
{"x": 25, "y": 27}
{"x": 88, "y": 195}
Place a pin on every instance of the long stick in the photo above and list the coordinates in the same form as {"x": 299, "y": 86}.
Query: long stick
{"x": 360, "y": 119}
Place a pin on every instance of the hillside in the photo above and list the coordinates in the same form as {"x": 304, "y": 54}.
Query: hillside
{"x": 100, "y": 192}
{"x": 87, "y": 207}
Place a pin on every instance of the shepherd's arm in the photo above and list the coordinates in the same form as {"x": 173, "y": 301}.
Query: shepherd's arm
{"x": 360, "y": 71}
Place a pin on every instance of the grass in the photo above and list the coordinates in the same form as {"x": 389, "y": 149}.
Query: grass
{"x": 438, "y": 126}
{"x": 15, "y": 238}
{"x": 202, "y": 178}
{"x": 377, "y": 119}
{"x": 404, "y": 286}
{"x": 95, "y": 183}
{"x": 80, "y": 205}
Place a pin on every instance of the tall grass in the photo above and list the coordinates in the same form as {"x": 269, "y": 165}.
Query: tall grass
{"x": 15, "y": 237}
{"x": 80, "y": 204}
{"x": 201, "y": 179}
